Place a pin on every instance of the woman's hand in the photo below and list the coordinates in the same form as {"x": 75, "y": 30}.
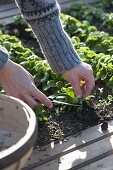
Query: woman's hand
{"x": 18, "y": 82}
{"x": 82, "y": 72}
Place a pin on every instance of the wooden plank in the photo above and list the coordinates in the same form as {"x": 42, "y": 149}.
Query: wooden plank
{"x": 53, "y": 165}
{"x": 85, "y": 156}
{"x": 75, "y": 150}
{"x": 6, "y": 1}
{"x": 11, "y": 13}
{"x": 7, "y": 7}
{"x": 7, "y": 11}
{"x": 8, "y": 20}
{"x": 104, "y": 164}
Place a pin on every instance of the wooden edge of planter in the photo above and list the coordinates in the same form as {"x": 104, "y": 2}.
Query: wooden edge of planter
{"x": 8, "y": 11}
{"x": 59, "y": 154}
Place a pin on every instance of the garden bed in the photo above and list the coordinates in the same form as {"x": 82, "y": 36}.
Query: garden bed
{"x": 94, "y": 46}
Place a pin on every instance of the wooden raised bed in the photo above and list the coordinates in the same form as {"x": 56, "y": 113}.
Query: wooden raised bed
{"x": 90, "y": 150}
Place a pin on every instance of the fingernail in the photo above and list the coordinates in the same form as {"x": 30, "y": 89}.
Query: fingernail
{"x": 51, "y": 105}
{"x": 79, "y": 96}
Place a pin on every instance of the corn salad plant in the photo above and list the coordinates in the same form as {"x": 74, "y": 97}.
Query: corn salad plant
{"x": 93, "y": 46}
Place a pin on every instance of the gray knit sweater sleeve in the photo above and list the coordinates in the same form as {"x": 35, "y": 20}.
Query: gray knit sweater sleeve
{"x": 43, "y": 16}
{"x": 3, "y": 56}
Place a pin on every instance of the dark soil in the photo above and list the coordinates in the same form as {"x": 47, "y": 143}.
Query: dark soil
{"x": 73, "y": 123}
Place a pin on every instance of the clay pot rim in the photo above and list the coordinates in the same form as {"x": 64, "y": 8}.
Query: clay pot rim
{"x": 15, "y": 152}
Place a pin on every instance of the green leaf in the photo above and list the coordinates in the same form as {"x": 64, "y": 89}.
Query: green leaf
{"x": 45, "y": 78}
{"x": 28, "y": 30}
{"x": 70, "y": 92}
{"x": 110, "y": 82}
{"x": 64, "y": 103}
{"x": 51, "y": 83}
{"x": 40, "y": 112}
{"x": 7, "y": 45}
{"x": 59, "y": 84}
{"x": 110, "y": 67}
{"x": 39, "y": 109}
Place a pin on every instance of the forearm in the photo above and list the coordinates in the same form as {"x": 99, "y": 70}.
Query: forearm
{"x": 3, "y": 57}
{"x": 43, "y": 16}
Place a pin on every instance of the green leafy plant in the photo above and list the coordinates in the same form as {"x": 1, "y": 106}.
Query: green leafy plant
{"x": 45, "y": 79}
{"x": 94, "y": 13}
{"x": 93, "y": 46}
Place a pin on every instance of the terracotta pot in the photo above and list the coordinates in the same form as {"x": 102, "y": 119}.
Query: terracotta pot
{"x": 18, "y": 131}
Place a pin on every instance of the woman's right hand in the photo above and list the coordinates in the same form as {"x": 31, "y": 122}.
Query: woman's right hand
{"x": 18, "y": 82}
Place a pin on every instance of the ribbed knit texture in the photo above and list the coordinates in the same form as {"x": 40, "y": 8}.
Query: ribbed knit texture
{"x": 3, "y": 57}
{"x": 43, "y": 16}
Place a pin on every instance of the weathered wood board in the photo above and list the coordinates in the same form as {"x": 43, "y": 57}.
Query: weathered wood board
{"x": 90, "y": 150}
{"x": 8, "y": 11}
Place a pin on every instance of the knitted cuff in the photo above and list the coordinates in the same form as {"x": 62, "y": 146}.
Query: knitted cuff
{"x": 55, "y": 45}
{"x": 43, "y": 16}
{"x": 3, "y": 57}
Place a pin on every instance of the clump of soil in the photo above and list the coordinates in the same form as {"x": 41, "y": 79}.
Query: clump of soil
{"x": 104, "y": 126}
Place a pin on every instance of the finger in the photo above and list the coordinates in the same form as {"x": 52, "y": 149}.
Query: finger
{"x": 39, "y": 96}
{"x": 32, "y": 79}
{"x": 30, "y": 101}
{"x": 76, "y": 86}
{"x": 89, "y": 85}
